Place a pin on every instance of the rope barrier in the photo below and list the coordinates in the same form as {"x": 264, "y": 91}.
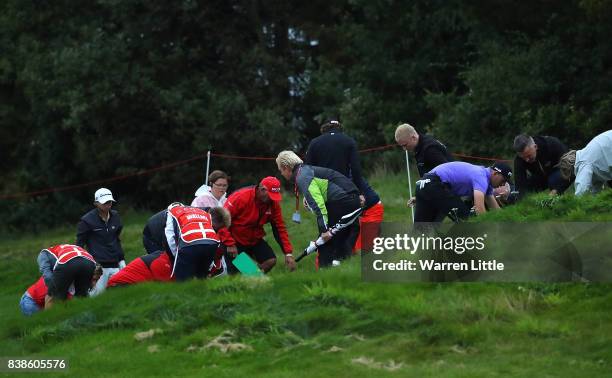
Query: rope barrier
{"x": 197, "y": 157}
{"x": 241, "y": 157}
{"x": 102, "y": 181}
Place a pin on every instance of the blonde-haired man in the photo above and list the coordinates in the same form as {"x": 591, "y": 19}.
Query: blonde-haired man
{"x": 332, "y": 197}
{"x": 428, "y": 151}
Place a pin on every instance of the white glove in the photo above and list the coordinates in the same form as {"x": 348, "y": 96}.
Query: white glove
{"x": 121, "y": 264}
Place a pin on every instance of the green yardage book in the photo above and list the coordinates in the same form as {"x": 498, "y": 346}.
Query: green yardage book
{"x": 246, "y": 265}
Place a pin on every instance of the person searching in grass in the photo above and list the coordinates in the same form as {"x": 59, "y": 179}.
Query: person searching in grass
{"x": 536, "y": 165}
{"x": 193, "y": 239}
{"x": 428, "y": 151}
{"x": 156, "y": 266}
{"x": 34, "y": 298}
{"x": 214, "y": 195}
{"x": 99, "y": 231}
{"x": 251, "y": 208}
{"x": 63, "y": 266}
{"x": 332, "y": 197}
{"x": 440, "y": 191}
{"x": 153, "y": 234}
{"x": 591, "y": 167}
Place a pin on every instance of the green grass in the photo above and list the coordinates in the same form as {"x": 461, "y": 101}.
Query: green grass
{"x": 326, "y": 323}
{"x": 567, "y": 208}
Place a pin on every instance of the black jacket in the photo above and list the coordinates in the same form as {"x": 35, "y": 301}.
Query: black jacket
{"x": 429, "y": 153}
{"x": 337, "y": 151}
{"x": 533, "y": 177}
{"x": 371, "y": 197}
{"x": 99, "y": 238}
{"x": 153, "y": 235}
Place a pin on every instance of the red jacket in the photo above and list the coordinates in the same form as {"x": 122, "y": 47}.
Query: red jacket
{"x": 39, "y": 290}
{"x": 249, "y": 217}
{"x": 152, "y": 267}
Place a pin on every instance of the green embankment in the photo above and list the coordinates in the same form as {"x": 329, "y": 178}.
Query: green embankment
{"x": 325, "y": 323}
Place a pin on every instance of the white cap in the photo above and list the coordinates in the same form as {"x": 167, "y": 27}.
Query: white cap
{"x": 103, "y": 195}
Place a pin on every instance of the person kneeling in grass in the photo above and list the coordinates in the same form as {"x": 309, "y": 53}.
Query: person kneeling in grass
{"x": 64, "y": 265}
{"x": 441, "y": 190}
{"x": 193, "y": 239}
{"x": 591, "y": 167}
{"x": 33, "y": 300}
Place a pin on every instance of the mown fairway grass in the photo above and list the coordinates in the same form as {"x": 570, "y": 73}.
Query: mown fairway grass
{"x": 326, "y": 323}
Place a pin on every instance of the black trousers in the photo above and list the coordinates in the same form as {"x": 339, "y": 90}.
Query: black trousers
{"x": 550, "y": 182}
{"x": 340, "y": 247}
{"x": 194, "y": 261}
{"x": 434, "y": 201}
{"x": 79, "y": 271}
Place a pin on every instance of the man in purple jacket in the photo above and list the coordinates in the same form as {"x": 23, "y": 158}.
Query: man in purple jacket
{"x": 441, "y": 190}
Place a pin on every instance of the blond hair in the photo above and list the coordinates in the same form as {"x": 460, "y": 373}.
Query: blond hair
{"x": 287, "y": 159}
{"x": 404, "y": 131}
{"x": 220, "y": 217}
{"x": 566, "y": 164}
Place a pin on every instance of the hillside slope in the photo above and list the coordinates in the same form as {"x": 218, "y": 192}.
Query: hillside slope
{"x": 326, "y": 323}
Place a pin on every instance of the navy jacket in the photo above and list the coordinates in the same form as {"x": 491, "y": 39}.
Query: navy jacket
{"x": 100, "y": 238}
{"x": 153, "y": 235}
{"x": 337, "y": 151}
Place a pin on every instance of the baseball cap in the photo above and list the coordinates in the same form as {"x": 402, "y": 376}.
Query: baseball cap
{"x": 504, "y": 169}
{"x": 103, "y": 195}
{"x": 273, "y": 186}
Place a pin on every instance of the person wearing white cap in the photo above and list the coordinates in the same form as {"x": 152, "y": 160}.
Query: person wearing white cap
{"x": 98, "y": 231}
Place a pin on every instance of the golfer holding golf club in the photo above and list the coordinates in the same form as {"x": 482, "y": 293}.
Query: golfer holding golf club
{"x": 332, "y": 197}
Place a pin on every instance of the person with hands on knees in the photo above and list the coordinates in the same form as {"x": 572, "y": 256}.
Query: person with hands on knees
{"x": 251, "y": 208}
{"x": 99, "y": 231}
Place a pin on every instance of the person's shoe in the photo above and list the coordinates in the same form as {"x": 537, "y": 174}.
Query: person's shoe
{"x": 336, "y": 263}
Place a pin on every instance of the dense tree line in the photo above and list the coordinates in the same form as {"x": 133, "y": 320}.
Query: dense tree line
{"x": 112, "y": 87}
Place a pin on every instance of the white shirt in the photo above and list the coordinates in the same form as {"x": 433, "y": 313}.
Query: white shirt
{"x": 593, "y": 165}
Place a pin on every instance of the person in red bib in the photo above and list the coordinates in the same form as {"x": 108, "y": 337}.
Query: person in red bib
{"x": 251, "y": 208}
{"x": 33, "y": 300}
{"x": 192, "y": 238}
{"x": 64, "y": 265}
{"x": 156, "y": 266}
